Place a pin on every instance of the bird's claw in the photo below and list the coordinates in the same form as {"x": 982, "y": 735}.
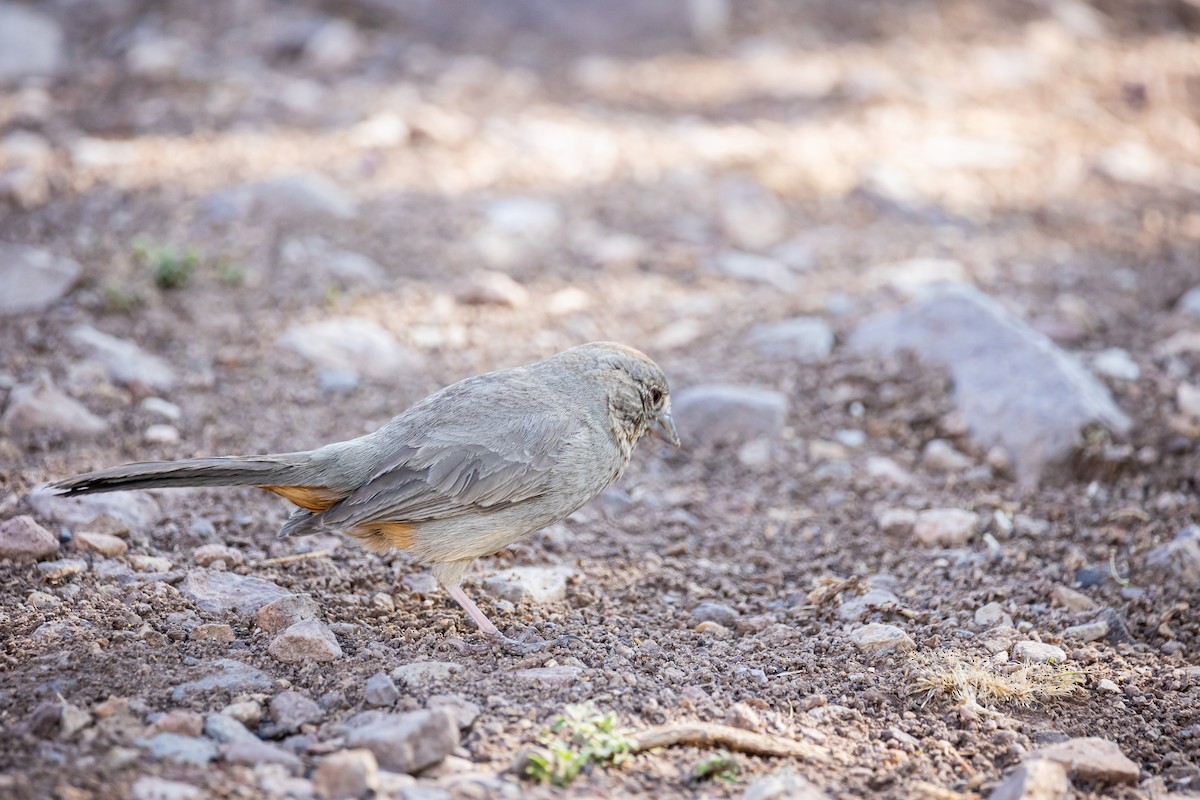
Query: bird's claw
{"x": 521, "y": 647}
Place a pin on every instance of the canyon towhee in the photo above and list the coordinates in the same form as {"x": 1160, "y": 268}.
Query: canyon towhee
{"x": 463, "y": 473}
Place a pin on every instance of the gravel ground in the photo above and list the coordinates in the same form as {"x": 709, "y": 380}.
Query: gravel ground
{"x": 240, "y": 191}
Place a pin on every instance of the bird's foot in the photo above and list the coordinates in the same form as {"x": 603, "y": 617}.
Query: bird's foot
{"x": 522, "y": 647}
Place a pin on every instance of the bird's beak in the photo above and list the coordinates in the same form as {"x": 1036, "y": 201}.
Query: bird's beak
{"x": 664, "y": 428}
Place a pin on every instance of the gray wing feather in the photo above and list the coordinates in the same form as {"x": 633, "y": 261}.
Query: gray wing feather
{"x": 452, "y": 469}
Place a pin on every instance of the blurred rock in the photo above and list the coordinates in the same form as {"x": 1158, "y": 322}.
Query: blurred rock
{"x": 22, "y": 539}
{"x": 219, "y": 592}
{"x": 876, "y": 638}
{"x": 992, "y": 615}
{"x": 227, "y": 674}
{"x": 755, "y": 269}
{"x": 1092, "y": 759}
{"x": 856, "y": 607}
{"x": 103, "y": 543}
{"x": 1190, "y": 302}
{"x": 720, "y": 613}
{"x": 1188, "y": 398}
{"x": 148, "y": 787}
{"x": 62, "y": 569}
{"x": 157, "y": 58}
{"x": 897, "y": 521}
{"x": 421, "y": 673}
{"x": 162, "y": 408}
{"x": 307, "y": 639}
{"x": 181, "y": 749}
{"x": 315, "y": 261}
{"x": 126, "y": 362}
{"x": 409, "y": 742}
{"x": 206, "y": 554}
{"x": 224, "y": 728}
{"x": 291, "y": 710}
{"x": 280, "y": 614}
{"x": 347, "y": 774}
{"x": 180, "y": 721}
{"x": 1180, "y": 557}
{"x": 804, "y": 339}
{"x": 293, "y": 201}
{"x": 1038, "y": 653}
{"x": 351, "y": 343}
{"x": 42, "y": 408}
{"x": 464, "y": 711}
{"x": 1117, "y": 364}
{"x": 380, "y": 690}
{"x": 212, "y": 632}
{"x": 253, "y": 752}
{"x": 334, "y": 46}
{"x": 31, "y": 43}
{"x": 161, "y": 434}
{"x": 558, "y": 677}
{"x": 1036, "y": 779}
{"x": 514, "y": 228}
{"x": 751, "y": 214}
{"x": 784, "y": 786}
{"x": 1015, "y": 387}
{"x": 535, "y": 584}
{"x": 945, "y": 527}
{"x": 1073, "y": 600}
{"x": 1087, "y": 632}
{"x": 1133, "y": 163}
{"x": 916, "y": 275}
{"x": 941, "y": 456}
{"x": 723, "y": 414}
{"x": 247, "y": 712}
{"x": 32, "y": 280}
{"x": 493, "y": 288}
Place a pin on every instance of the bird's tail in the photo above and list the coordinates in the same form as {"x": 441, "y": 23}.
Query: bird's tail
{"x": 288, "y": 469}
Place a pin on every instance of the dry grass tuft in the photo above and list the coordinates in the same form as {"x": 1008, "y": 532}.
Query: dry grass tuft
{"x": 975, "y": 682}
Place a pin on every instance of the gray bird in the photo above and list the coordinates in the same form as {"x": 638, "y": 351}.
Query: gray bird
{"x": 463, "y": 473}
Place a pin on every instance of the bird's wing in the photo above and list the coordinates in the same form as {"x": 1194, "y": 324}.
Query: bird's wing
{"x": 487, "y": 457}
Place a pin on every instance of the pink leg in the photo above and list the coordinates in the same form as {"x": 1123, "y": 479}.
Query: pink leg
{"x": 485, "y": 624}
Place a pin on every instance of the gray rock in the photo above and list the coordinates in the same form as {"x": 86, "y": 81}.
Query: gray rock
{"x": 1016, "y": 388}
{"x": 179, "y": 748}
{"x": 125, "y": 361}
{"x": 419, "y": 673}
{"x": 1190, "y": 302}
{"x": 254, "y": 751}
{"x": 408, "y": 742}
{"x": 493, "y": 288}
{"x": 1089, "y": 631}
{"x": 160, "y": 433}
{"x": 516, "y": 229}
{"x": 308, "y": 639}
{"x": 991, "y": 615}
{"x": 535, "y": 584}
{"x": 751, "y": 214}
{"x": 285, "y": 612}
{"x": 157, "y": 58}
{"x": 206, "y": 554}
{"x": 1117, "y": 364}
{"x": 1180, "y": 557}
{"x": 315, "y": 260}
{"x": 720, "y": 613}
{"x": 876, "y": 638}
{"x": 1036, "y": 779}
{"x": 897, "y": 521}
{"x": 224, "y": 729}
{"x": 247, "y": 712}
{"x": 783, "y": 786}
{"x": 291, "y": 710}
{"x": 225, "y": 674}
{"x": 31, "y": 43}
{"x": 1071, "y": 599}
{"x": 31, "y": 280}
{"x": 347, "y": 774}
{"x": 1092, "y": 759}
{"x": 161, "y": 408}
{"x": 295, "y": 200}
{"x": 103, "y": 543}
{"x": 464, "y": 711}
{"x": 41, "y": 407}
{"x": 804, "y": 339}
{"x": 150, "y": 788}
{"x": 917, "y": 275}
{"x": 22, "y": 539}
{"x": 868, "y": 601}
{"x": 219, "y": 592}
{"x": 1038, "y": 653}
{"x": 334, "y": 46}
{"x": 62, "y": 570}
{"x": 380, "y": 690}
{"x": 723, "y": 414}
{"x": 945, "y": 527}
{"x": 116, "y": 513}
{"x": 550, "y": 677}
{"x": 941, "y": 456}
{"x": 755, "y": 268}
{"x": 353, "y": 344}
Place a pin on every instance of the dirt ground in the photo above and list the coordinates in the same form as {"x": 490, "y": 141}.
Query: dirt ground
{"x": 1051, "y": 149}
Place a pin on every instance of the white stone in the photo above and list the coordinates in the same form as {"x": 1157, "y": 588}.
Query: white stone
{"x": 803, "y": 339}
{"x": 22, "y": 539}
{"x": 161, "y": 433}
{"x": 336, "y": 45}
{"x": 1038, "y": 653}
{"x": 41, "y": 407}
{"x": 755, "y": 268}
{"x": 32, "y": 280}
{"x": 126, "y": 362}
{"x": 945, "y": 527}
{"x": 409, "y": 742}
{"x": 419, "y": 673}
{"x": 102, "y": 543}
{"x": 941, "y": 456}
{"x": 992, "y": 615}
{"x": 1036, "y": 779}
{"x": 1117, "y": 364}
{"x": 31, "y": 43}
{"x": 1092, "y": 759}
{"x": 751, "y": 214}
{"x": 307, "y": 639}
{"x": 535, "y": 584}
{"x": 876, "y": 638}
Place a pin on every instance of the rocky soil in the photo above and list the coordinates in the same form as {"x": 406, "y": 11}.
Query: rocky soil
{"x": 925, "y": 278}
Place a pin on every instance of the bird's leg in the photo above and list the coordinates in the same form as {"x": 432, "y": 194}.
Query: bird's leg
{"x": 514, "y": 646}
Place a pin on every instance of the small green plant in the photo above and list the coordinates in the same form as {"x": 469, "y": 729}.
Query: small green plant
{"x": 171, "y": 267}
{"x": 721, "y": 766}
{"x": 121, "y": 298}
{"x": 579, "y": 737}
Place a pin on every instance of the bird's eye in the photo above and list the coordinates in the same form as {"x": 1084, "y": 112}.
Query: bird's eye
{"x": 656, "y": 395}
